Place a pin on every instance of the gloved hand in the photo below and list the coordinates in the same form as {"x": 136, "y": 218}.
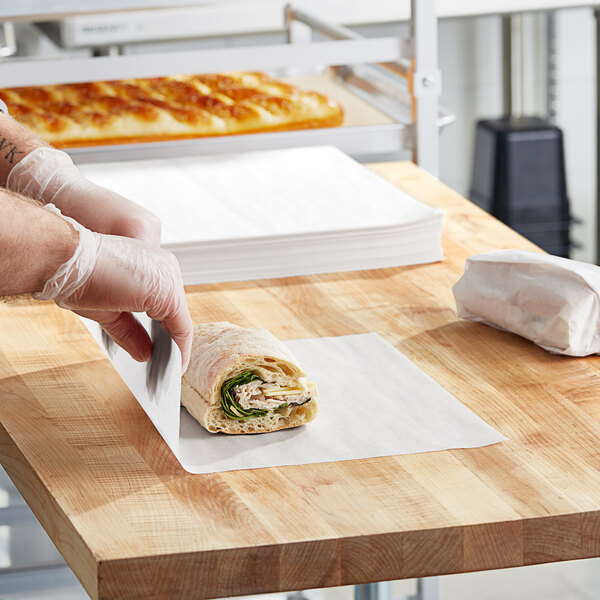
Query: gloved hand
{"x": 109, "y": 277}
{"x": 50, "y": 176}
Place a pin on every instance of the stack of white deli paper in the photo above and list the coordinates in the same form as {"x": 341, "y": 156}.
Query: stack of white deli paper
{"x": 277, "y": 213}
{"x": 373, "y": 401}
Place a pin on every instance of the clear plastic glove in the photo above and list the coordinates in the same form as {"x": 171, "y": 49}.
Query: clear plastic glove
{"x": 109, "y": 277}
{"x": 50, "y": 176}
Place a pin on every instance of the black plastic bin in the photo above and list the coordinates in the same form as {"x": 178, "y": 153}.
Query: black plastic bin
{"x": 519, "y": 177}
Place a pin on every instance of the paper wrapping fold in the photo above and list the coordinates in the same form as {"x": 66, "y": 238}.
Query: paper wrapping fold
{"x": 552, "y": 301}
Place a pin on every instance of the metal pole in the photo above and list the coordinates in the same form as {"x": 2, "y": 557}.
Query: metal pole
{"x": 426, "y": 84}
{"x": 365, "y": 591}
{"x": 507, "y": 66}
{"x": 429, "y": 588}
{"x": 597, "y": 15}
{"x": 373, "y": 591}
{"x": 297, "y": 33}
{"x": 518, "y": 57}
{"x": 337, "y": 32}
{"x": 512, "y": 66}
{"x": 296, "y": 596}
{"x": 9, "y": 41}
{"x": 551, "y": 84}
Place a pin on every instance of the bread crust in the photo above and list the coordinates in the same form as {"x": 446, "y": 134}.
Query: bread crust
{"x": 223, "y": 350}
{"x": 167, "y": 108}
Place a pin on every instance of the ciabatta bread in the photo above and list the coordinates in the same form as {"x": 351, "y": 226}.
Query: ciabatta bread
{"x": 223, "y": 351}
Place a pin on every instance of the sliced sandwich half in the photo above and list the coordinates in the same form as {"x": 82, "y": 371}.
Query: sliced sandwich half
{"x": 244, "y": 380}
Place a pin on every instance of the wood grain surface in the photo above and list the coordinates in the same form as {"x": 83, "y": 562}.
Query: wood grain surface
{"x": 134, "y": 525}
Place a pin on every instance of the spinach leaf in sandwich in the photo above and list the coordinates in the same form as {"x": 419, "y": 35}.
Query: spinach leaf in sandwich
{"x": 229, "y": 405}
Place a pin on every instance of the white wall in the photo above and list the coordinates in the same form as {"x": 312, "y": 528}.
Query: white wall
{"x": 471, "y": 62}
{"x": 577, "y": 117}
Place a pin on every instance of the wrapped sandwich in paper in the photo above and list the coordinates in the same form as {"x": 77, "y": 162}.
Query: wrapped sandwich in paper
{"x": 552, "y": 301}
{"x": 244, "y": 380}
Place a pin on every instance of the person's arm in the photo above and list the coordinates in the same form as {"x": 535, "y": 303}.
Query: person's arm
{"x": 33, "y": 244}
{"x": 102, "y": 277}
{"x": 16, "y": 142}
{"x": 32, "y": 168}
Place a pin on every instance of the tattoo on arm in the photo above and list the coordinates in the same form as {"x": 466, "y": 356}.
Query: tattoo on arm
{"x": 11, "y": 150}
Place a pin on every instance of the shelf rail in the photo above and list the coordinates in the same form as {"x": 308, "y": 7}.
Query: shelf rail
{"x": 399, "y": 77}
{"x": 416, "y": 62}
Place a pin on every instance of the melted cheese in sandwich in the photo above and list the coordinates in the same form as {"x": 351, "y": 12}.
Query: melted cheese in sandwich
{"x": 268, "y": 396}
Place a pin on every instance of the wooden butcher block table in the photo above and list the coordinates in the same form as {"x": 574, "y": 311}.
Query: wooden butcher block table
{"x": 132, "y": 524}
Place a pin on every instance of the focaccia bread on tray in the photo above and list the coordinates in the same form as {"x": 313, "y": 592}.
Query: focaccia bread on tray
{"x": 244, "y": 380}
{"x": 167, "y": 108}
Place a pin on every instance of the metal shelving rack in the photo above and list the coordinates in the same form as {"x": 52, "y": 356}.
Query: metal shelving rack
{"x": 386, "y": 71}
{"x": 400, "y": 77}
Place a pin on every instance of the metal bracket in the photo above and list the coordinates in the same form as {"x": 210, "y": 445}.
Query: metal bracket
{"x": 409, "y": 136}
{"x": 427, "y": 83}
{"x": 9, "y": 42}
{"x": 408, "y": 48}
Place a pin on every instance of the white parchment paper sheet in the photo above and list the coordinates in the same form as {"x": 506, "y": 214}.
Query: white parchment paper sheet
{"x": 373, "y": 402}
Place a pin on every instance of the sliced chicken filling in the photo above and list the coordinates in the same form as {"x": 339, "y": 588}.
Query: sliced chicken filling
{"x": 268, "y": 396}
